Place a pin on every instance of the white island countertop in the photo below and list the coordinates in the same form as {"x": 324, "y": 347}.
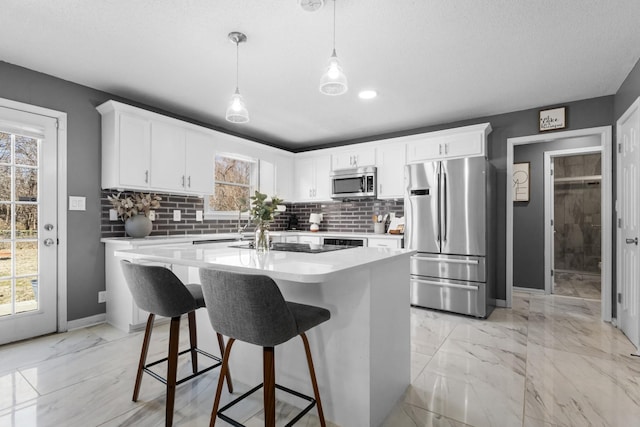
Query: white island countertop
{"x": 291, "y": 266}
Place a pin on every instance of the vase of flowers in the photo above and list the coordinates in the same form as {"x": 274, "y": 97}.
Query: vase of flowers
{"x": 134, "y": 210}
{"x": 262, "y": 214}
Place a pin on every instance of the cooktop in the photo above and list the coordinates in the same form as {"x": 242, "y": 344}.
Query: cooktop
{"x": 298, "y": 247}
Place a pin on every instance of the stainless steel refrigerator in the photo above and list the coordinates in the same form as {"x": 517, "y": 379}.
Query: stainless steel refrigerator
{"x": 449, "y": 221}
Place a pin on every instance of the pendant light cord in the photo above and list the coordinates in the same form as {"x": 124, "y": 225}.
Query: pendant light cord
{"x": 237, "y": 63}
{"x": 334, "y": 25}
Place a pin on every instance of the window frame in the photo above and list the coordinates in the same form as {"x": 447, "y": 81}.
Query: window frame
{"x": 209, "y": 213}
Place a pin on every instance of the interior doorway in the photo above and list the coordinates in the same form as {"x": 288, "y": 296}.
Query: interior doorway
{"x": 604, "y": 136}
{"x": 574, "y": 234}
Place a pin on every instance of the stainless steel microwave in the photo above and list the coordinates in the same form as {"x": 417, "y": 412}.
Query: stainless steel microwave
{"x": 357, "y": 183}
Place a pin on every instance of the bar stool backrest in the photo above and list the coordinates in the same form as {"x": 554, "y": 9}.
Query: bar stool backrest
{"x": 157, "y": 290}
{"x": 247, "y": 307}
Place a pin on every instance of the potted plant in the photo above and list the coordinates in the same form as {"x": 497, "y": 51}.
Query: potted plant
{"x": 134, "y": 210}
{"x": 262, "y": 214}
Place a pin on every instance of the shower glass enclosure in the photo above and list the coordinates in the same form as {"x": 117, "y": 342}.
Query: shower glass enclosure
{"x": 577, "y": 223}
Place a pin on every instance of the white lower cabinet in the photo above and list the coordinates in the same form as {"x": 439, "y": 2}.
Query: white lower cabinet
{"x": 314, "y": 240}
{"x": 373, "y": 242}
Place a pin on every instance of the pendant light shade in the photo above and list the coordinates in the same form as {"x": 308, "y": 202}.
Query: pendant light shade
{"x": 237, "y": 110}
{"x": 334, "y": 81}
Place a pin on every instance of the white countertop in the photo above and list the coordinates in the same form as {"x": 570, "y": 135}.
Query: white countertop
{"x": 187, "y": 238}
{"x": 292, "y": 266}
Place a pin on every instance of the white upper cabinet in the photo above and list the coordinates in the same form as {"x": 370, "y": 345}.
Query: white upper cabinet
{"x": 390, "y": 161}
{"x": 267, "y": 178}
{"x": 312, "y": 181}
{"x": 146, "y": 151}
{"x": 128, "y": 150}
{"x": 469, "y": 141}
{"x": 167, "y": 157}
{"x": 346, "y": 159}
{"x": 199, "y": 162}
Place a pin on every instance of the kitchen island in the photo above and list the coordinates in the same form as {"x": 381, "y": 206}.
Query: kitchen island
{"x": 361, "y": 355}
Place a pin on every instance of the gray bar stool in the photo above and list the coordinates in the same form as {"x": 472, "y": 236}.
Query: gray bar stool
{"x": 157, "y": 290}
{"x": 251, "y": 308}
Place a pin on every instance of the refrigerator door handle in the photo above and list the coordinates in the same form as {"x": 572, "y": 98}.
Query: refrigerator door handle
{"x": 445, "y": 284}
{"x": 439, "y": 212}
{"x": 444, "y": 195}
{"x": 449, "y": 261}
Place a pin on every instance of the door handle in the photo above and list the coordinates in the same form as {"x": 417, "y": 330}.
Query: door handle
{"x": 48, "y": 242}
{"x": 632, "y": 241}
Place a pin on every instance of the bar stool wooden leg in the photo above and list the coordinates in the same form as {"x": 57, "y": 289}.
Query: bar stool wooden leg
{"x": 269, "y": 380}
{"x": 228, "y": 374}
{"x": 312, "y": 374}
{"x": 193, "y": 340}
{"x": 172, "y": 368}
{"x": 223, "y": 373}
{"x": 143, "y": 356}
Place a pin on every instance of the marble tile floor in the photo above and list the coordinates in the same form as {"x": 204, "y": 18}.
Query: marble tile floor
{"x": 573, "y": 284}
{"x": 548, "y": 361}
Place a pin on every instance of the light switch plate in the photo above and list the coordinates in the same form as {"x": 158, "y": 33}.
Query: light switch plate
{"x": 113, "y": 215}
{"x": 77, "y": 203}
{"x": 176, "y": 215}
{"x": 199, "y": 216}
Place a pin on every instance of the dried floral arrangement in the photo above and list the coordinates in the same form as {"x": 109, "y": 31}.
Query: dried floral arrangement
{"x": 129, "y": 205}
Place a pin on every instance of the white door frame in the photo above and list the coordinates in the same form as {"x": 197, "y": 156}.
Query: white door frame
{"x": 604, "y": 133}
{"x": 62, "y": 200}
{"x": 548, "y": 208}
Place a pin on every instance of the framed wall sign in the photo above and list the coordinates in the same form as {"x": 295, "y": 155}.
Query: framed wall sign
{"x": 521, "y": 182}
{"x": 553, "y": 119}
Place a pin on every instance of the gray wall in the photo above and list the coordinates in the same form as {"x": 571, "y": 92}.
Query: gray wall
{"x": 85, "y": 265}
{"x": 629, "y": 91}
{"x": 528, "y": 217}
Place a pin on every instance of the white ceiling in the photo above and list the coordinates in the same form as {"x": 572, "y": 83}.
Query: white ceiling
{"x": 432, "y": 61}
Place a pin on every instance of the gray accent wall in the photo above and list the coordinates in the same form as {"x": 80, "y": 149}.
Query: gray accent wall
{"x": 528, "y": 217}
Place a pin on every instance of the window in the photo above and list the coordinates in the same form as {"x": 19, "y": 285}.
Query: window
{"x": 234, "y": 181}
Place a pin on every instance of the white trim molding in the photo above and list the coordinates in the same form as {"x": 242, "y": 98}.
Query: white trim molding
{"x": 604, "y": 133}
{"x": 85, "y": 322}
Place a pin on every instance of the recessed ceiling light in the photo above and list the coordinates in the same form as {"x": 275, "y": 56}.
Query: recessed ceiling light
{"x": 368, "y": 94}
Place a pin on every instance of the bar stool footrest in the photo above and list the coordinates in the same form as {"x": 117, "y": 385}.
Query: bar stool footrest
{"x": 297, "y": 418}
{"x": 163, "y": 380}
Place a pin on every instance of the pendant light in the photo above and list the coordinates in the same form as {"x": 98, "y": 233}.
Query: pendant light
{"x": 236, "y": 110}
{"x": 333, "y": 81}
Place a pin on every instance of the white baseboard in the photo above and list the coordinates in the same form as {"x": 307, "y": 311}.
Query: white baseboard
{"x": 528, "y": 290}
{"x": 86, "y": 321}
{"x": 501, "y": 303}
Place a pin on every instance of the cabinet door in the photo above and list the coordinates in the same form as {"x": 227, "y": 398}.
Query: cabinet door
{"x": 426, "y": 149}
{"x": 134, "y": 147}
{"x": 314, "y": 240}
{"x": 465, "y": 145}
{"x": 167, "y": 157}
{"x": 353, "y": 158}
{"x": 267, "y": 182}
{"x": 382, "y": 243}
{"x": 390, "y": 164}
{"x": 322, "y": 178}
{"x": 199, "y": 162}
{"x": 305, "y": 179}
